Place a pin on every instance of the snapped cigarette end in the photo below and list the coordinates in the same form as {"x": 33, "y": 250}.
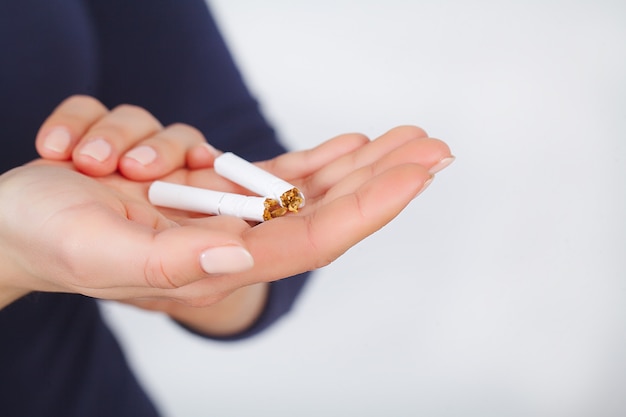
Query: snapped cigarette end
{"x": 292, "y": 200}
{"x": 259, "y": 181}
{"x": 200, "y": 200}
{"x": 273, "y": 209}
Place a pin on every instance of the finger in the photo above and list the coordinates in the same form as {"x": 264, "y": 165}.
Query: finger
{"x": 424, "y": 152}
{"x": 300, "y": 164}
{"x": 66, "y": 125}
{"x": 364, "y": 156}
{"x": 294, "y": 244}
{"x": 386, "y": 143}
{"x": 147, "y": 263}
{"x": 99, "y": 150}
{"x": 404, "y": 145}
{"x": 165, "y": 151}
{"x": 343, "y": 222}
{"x": 201, "y": 156}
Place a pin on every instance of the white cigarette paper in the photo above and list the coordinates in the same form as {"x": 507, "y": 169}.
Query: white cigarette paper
{"x": 200, "y": 200}
{"x": 255, "y": 179}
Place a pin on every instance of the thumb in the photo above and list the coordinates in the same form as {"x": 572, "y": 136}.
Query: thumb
{"x": 184, "y": 254}
{"x": 133, "y": 260}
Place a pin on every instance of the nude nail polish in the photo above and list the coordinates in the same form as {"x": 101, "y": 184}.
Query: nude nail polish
{"x": 226, "y": 260}
{"x": 145, "y": 155}
{"x": 426, "y": 184}
{"x": 98, "y": 149}
{"x": 442, "y": 164}
{"x": 57, "y": 140}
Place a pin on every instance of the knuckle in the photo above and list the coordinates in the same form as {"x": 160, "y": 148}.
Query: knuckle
{"x": 81, "y": 100}
{"x": 131, "y": 108}
{"x": 359, "y": 138}
{"x": 409, "y": 131}
{"x": 76, "y": 108}
{"x": 186, "y": 132}
{"x": 135, "y": 113}
{"x": 127, "y": 121}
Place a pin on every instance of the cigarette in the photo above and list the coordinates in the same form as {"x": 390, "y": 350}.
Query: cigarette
{"x": 200, "y": 200}
{"x": 253, "y": 178}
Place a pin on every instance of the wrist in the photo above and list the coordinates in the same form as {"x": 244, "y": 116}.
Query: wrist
{"x": 232, "y": 315}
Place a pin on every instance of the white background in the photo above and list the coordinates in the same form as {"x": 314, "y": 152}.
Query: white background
{"x": 500, "y": 291}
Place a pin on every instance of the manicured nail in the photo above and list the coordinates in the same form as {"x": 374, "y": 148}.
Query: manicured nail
{"x": 57, "y": 140}
{"x": 145, "y": 155}
{"x": 442, "y": 164}
{"x": 226, "y": 260}
{"x": 98, "y": 149}
{"x": 426, "y": 184}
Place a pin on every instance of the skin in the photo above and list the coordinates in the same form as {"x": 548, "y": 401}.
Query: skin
{"x": 128, "y": 250}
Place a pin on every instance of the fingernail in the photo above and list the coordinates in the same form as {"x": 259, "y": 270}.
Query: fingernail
{"x": 98, "y": 149}
{"x": 57, "y": 140}
{"x": 145, "y": 155}
{"x": 426, "y": 184}
{"x": 226, "y": 260}
{"x": 442, "y": 164}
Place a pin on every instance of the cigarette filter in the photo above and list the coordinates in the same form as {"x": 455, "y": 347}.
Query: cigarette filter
{"x": 261, "y": 182}
{"x": 201, "y": 200}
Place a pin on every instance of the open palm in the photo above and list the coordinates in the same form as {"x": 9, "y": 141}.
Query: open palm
{"x": 130, "y": 249}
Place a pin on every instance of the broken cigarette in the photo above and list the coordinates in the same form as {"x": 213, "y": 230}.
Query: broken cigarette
{"x": 200, "y": 200}
{"x": 255, "y": 179}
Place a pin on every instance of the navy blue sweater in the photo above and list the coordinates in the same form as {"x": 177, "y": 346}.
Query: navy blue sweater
{"x": 57, "y": 357}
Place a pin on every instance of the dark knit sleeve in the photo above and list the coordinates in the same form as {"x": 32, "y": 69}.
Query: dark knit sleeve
{"x": 176, "y": 65}
{"x": 179, "y": 68}
{"x": 281, "y": 298}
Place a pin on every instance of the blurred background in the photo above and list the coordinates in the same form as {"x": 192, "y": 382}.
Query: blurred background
{"x": 501, "y": 290}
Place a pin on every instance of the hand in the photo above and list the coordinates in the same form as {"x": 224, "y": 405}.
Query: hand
{"x": 127, "y": 139}
{"x": 316, "y": 171}
{"x": 63, "y": 231}
{"x": 83, "y": 119}
{"x": 353, "y": 187}
{"x": 131, "y": 140}
{"x": 104, "y": 239}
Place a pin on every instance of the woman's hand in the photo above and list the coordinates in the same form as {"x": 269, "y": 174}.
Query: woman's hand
{"x": 171, "y": 260}
{"x": 127, "y": 139}
{"x": 64, "y": 231}
{"x": 101, "y": 237}
{"x": 130, "y": 140}
{"x": 353, "y": 187}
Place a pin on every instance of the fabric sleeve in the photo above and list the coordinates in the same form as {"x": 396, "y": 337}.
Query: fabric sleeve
{"x": 175, "y": 64}
{"x": 178, "y": 67}
{"x": 281, "y": 298}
